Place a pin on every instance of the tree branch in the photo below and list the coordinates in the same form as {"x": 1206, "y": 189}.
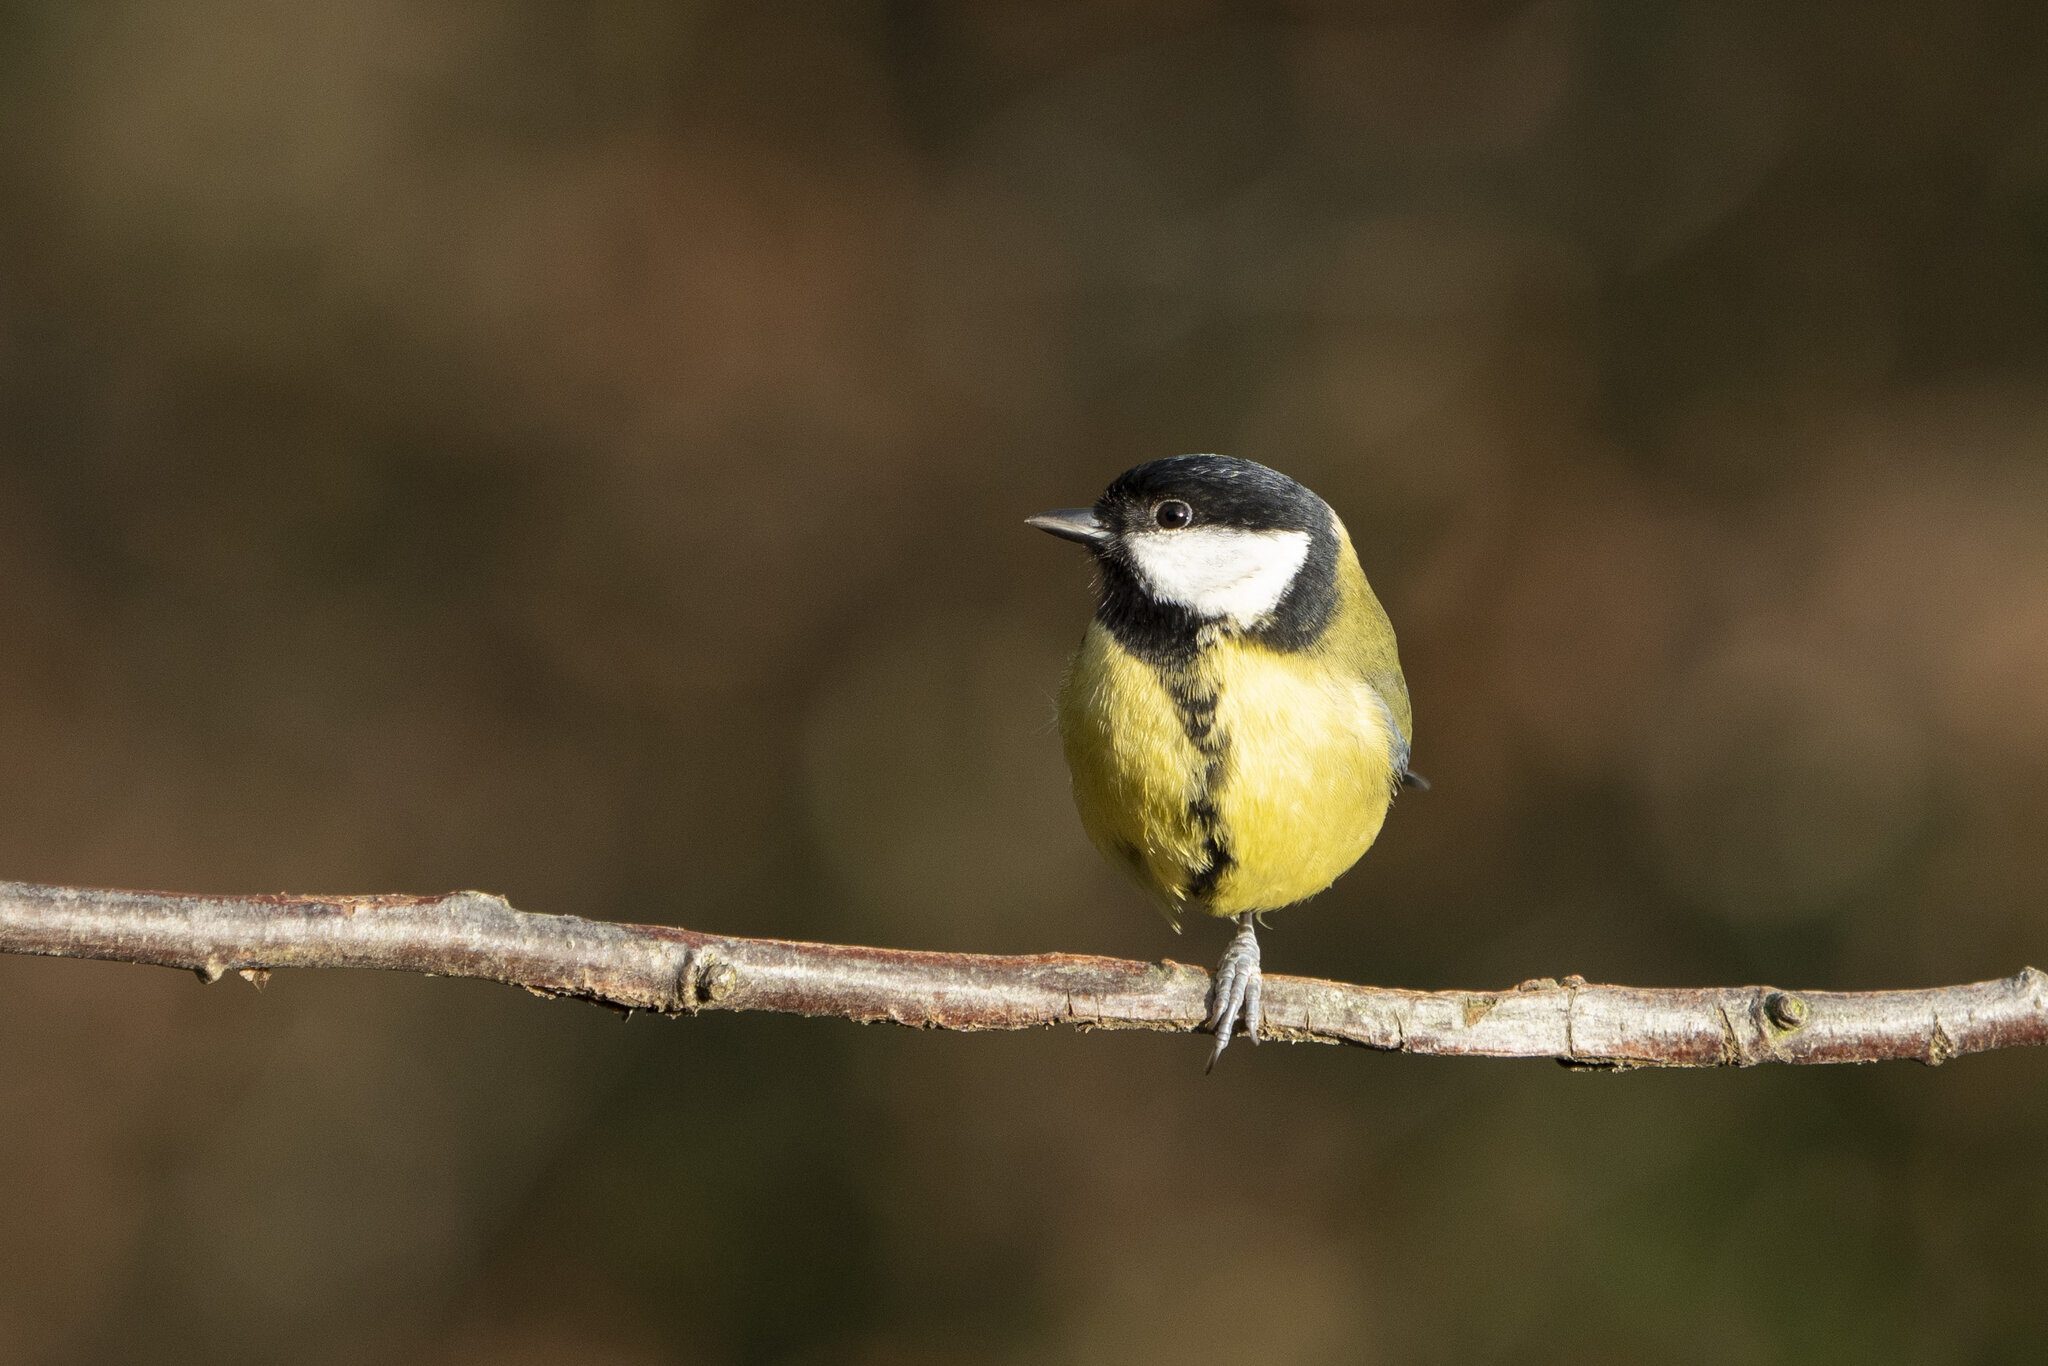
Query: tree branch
{"x": 674, "y": 971}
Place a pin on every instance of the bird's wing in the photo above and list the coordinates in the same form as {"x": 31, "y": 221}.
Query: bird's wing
{"x": 1389, "y": 697}
{"x": 1371, "y": 655}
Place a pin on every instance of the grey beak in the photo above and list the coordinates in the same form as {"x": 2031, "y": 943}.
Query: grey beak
{"x": 1072, "y": 524}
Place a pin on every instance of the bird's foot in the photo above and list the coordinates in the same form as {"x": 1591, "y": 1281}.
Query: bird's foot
{"x": 1236, "y": 990}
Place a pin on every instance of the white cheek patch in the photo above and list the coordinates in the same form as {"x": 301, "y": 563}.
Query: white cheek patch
{"x": 1219, "y": 572}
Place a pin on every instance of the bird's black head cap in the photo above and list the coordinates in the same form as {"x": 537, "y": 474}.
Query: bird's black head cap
{"x": 1221, "y": 490}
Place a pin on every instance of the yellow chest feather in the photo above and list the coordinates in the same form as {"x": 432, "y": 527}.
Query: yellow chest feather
{"x": 1247, "y": 779}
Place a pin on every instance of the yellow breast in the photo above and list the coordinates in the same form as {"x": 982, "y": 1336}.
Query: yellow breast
{"x": 1247, "y": 779}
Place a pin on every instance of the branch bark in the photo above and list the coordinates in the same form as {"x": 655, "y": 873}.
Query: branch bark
{"x": 675, "y": 971}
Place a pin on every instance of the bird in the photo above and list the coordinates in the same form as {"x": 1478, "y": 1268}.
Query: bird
{"x": 1235, "y": 720}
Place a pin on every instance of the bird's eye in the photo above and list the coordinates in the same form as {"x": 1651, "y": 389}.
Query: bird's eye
{"x": 1173, "y": 514}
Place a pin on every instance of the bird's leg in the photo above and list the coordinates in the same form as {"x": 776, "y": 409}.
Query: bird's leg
{"x": 1236, "y": 989}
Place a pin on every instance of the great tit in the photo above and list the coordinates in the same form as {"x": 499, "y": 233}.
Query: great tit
{"x": 1235, "y": 720}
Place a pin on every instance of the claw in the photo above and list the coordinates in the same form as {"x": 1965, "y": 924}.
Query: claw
{"x": 1221, "y": 997}
{"x": 1236, "y": 991}
{"x": 1254, "y": 990}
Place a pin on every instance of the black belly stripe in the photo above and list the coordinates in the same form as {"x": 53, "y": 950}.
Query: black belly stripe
{"x": 1194, "y": 699}
{"x": 1217, "y": 862}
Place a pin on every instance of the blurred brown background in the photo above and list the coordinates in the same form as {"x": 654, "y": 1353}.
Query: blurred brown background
{"x": 579, "y": 450}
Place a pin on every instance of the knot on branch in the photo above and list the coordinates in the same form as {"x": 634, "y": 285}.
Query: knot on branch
{"x": 704, "y": 979}
{"x": 1785, "y": 1010}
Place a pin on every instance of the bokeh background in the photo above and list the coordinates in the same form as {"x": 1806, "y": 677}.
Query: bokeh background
{"x": 579, "y": 450}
